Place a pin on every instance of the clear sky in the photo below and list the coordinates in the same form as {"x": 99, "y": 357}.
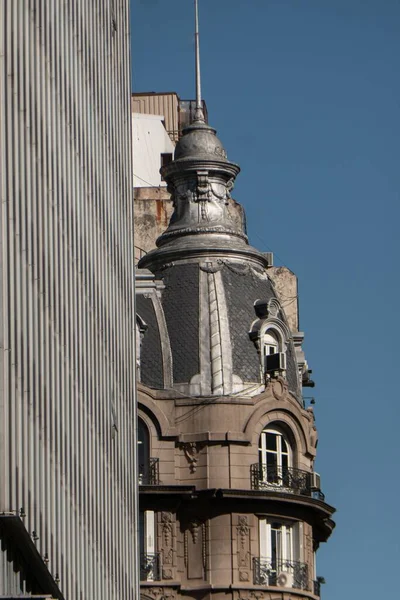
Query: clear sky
{"x": 305, "y": 95}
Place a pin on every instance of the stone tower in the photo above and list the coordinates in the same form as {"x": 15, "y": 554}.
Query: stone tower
{"x": 230, "y": 505}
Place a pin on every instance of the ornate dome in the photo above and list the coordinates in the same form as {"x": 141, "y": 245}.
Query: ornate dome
{"x": 209, "y": 339}
{"x": 199, "y": 140}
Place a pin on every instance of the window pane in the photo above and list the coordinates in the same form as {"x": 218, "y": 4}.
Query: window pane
{"x": 272, "y": 468}
{"x": 288, "y": 543}
{"x": 271, "y": 441}
{"x": 273, "y": 548}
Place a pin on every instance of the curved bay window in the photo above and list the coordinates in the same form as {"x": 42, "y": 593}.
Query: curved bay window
{"x": 275, "y": 458}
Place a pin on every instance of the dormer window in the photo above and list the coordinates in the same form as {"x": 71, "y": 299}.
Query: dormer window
{"x": 271, "y": 344}
{"x": 274, "y": 352}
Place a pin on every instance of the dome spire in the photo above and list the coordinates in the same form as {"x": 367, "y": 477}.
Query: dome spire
{"x": 199, "y": 114}
{"x": 200, "y": 180}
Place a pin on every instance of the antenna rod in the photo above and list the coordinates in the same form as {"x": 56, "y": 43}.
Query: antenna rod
{"x": 199, "y": 116}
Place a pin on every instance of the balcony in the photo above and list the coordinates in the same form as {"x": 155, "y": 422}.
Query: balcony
{"x": 280, "y": 573}
{"x": 284, "y": 479}
{"x": 150, "y": 567}
{"x": 317, "y": 588}
{"x": 148, "y": 472}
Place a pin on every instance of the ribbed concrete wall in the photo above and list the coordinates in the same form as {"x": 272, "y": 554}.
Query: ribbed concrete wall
{"x": 67, "y": 407}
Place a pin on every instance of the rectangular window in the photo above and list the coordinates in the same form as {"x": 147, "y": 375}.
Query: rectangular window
{"x": 281, "y": 554}
{"x": 149, "y": 566}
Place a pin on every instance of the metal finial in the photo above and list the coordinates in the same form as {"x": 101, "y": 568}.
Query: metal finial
{"x": 199, "y": 114}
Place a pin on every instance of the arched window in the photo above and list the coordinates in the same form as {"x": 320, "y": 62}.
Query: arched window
{"x": 274, "y": 357}
{"x": 275, "y": 457}
{"x": 271, "y": 342}
{"x": 143, "y": 451}
{"x": 148, "y": 475}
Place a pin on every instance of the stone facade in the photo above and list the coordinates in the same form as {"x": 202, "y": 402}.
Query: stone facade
{"x": 230, "y": 504}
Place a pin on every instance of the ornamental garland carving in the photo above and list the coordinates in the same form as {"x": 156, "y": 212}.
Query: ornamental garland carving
{"x": 167, "y": 538}
{"x": 166, "y": 520}
{"x": 243, "y": 547}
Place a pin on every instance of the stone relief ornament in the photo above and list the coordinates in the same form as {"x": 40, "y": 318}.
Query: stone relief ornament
{"x": 243, "y": 531}
{"x": 243, "y": 544}
{"x": 194, "y": 530}
{"x": 273, "y": 307}
{"x": 191, "y": 451}
{"x": 210, "y": 195}
{"x": 158, "y": 593}
{"x": 167, "y": 538}
{"x": 312, "y": 428}
{"x": 219, "y": 151}
{"x": 212, "y": 266}
{"x": 254, "y": 595}
{"x": 166, "y": 520}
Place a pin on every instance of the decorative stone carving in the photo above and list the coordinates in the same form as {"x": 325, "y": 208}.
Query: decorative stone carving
{"x": 195, "y": 549}
{"x": 258, "y": 595}
{"x": 252, "y": 595}
{"x": 167, "y": 540}
{"x": 243, "y": 548}
{"x": 211, "y": 194}
{"x": 273, "y": 307}
{"x": 191, "y": 451}
{"x": 194, "y": 530}
{"x": 166, "y": 520}
{"x": 158, "y": 593}
{"x": 167, "y": 573}
{"x": 279, "y": 387}
{"x": 313, "y": 430}
{"x": 212, "y": 266}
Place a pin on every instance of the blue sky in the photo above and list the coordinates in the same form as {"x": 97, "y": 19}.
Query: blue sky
{"x": 305, "y": 96}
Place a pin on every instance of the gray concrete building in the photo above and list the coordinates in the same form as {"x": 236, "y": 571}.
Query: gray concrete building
{"x": 230, "y": 504}
{"x": 67, "y": 372}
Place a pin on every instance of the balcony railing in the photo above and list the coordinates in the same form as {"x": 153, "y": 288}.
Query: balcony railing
{"x": 148, "y": 472}
{"x": 150, "y": 567}
{"x": 265, "y": 477}
{"x": 317, "y": 588}
{"x": 280, "y": 573}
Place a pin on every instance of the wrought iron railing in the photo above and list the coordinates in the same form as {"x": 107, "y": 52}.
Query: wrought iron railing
{"x": 282, "y": 478}
{"x": 317, "y": 588}
{"x": 139, "y": 253}
{"x": 150, "y": 567}
{"x": 280, "y": 573}
{"x": 148, "y": 472}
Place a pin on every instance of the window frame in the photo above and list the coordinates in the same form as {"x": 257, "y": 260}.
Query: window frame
{"x": 283, "y": 456}
{"x": 291, "y": 545}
